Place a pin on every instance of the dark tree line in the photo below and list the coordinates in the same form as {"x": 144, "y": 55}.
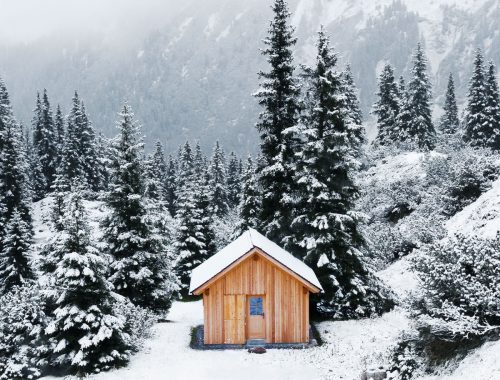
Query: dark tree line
{"x": 404, "y": 115}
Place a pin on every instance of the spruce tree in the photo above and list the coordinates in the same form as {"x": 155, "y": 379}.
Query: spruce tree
{"x": 401, "y": 89}
{"x": 14, "y": 183}
{"x": 156, "y": 174}
{"x": 476, "y": 118}
{"x": 249, "y": 206}
{"x": 326, "y": 230}
{"x": 45, "y": 139}
{"x": 60, "y": 188}
{"x": 492, "y": 109}
{"x": 278, "y": 95}
{"x": 140, "y": 269}
{"x": 103, "y": 155}
{"x": 351, "y": 96}
{"x": 354, "y": 117}
{"x": 15, "y": 266}
{"x": 170, "y": 185}
{"x": 418, "y": 129}
{"x": 72, "y": 158}
{"x": 59, "y": 132}
{"x": 449, "y": 121}
{"x": 185, "y": 171}
{"x": 218, "y": 182}
{"x": 233, "y": 181}
{"x": 87, "y": 336}
{"x": 88, "y": 152}
{"x": 387, "y": 107}
{"x": 36, "y": 180}
{"x": 195, "y": 236}
{"x": 199, "y": 162}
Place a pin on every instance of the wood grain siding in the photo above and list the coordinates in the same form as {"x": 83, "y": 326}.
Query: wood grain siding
{"x": 286, "y": 303}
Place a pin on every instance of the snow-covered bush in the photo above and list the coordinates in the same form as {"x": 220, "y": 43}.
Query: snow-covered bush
{"x": 138, "y": 322}
{"x": 22, "y": 322}
{"x": 470, "y": 173}
{"x": 402, "y": 201}
{"x": 407, "y": 359}
{"x": 461, "y": 283}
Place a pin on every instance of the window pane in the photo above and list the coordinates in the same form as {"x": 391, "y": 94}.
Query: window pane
{"x": 256, "y": 306}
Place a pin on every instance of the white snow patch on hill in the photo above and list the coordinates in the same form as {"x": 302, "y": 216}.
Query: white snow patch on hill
{"x": 481, "y": 218}
{"x": 400, "y": 277}
{"x": 395, "y": 168}
{"x": 481, "y": 364}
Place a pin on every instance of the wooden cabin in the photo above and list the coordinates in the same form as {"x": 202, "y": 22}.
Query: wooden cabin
{"x": 254, "y": 290}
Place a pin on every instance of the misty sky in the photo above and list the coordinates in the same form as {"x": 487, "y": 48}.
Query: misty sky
{"x": 28, "y": 20}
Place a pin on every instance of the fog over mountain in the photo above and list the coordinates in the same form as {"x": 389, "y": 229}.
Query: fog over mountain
{"x": 185, "y": 71}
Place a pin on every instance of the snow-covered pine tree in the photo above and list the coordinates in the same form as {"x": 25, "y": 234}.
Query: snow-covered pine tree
{"x": 185, "y": 171}
{"x": 353, "y": 115}
{"x": 278, "y": 95}
{"x": 15, "y": 199}
{"x": 36, "y": 178}
{"x": 88, "y": 152}
{"x": 492, "y": 108}
{"x": 14, "y": 183}
{"x": 87, "y": 336}
{"x": 199, "y": 162}
{"x": 249, "y": 206}
{"x": 195, "y": 236}
{"x": 14, "y": 190}
{"x": 15, "y": 265}
{"x": 403, "y": 118}
{"x": 188, "y": 244}
{"x": 218, "y": 182}
{"x": 387, "y": 107}
{"x": 159, "y": 167}
{"x": 475, "y": 117}
{"x": 418, "y": 129}
{"x": 351, "y": 96}
{"x": 170, "y": 185}
{"x": 233, "y": 181}
{"x": 6, "y": 114}
{"x": 103, "y": 155}
{"x": 59, "y": 132}
{"x": 45, "y": 139}
{"x": 156, "y": 173}
{"x": 449, "y": 121}
{"x": 140, "y": 269}
{"x": 72, "y": 159}
{"x": 401, "y": 88}
{"x": 325, "y": 225}
{"x": 203, "y": 204}
{"x": 60, "y": 188}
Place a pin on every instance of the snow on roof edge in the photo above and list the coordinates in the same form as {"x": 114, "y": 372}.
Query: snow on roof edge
{"x": 240, "y": 247}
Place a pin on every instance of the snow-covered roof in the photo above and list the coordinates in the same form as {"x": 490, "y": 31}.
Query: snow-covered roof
{"x": 240, "y": 247}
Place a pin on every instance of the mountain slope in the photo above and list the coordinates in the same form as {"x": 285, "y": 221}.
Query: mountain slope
{"x": 192, "y": 75}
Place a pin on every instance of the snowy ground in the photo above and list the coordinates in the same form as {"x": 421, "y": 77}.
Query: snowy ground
{"x": 351, "y": 347}
{"x": 482, "y": 364}
{"x": 481, "y": 218}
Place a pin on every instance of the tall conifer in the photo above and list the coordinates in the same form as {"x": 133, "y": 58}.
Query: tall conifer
{"x": 327, "y": 235}
{"x": 278, "y": 96}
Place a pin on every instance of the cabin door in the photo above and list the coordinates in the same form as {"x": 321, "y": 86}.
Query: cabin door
{"x": 256, "y": 326}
